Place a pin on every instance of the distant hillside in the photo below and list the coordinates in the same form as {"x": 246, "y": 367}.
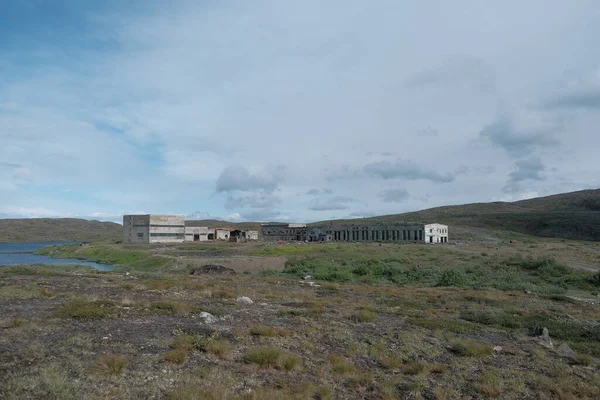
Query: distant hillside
{"x": 57, "y": 229}
{"x": 573, "y": 215}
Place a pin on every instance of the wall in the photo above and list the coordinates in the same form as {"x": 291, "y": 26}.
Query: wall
{"x": 284, "y": 232}
{"x": 191, "y": 231}
{"x": 167, "y": 229}
{"x": 436, "y": 233}
{"x": 252, "y": 235}
{"x": 377, "y": 233}
{"x": 222, "y": 234}
{"x": 134, "y": 226}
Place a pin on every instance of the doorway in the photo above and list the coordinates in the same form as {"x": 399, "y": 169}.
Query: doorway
{"x": 196, "y": 238}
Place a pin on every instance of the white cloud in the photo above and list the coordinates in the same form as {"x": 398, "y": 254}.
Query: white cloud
{"x": 292, "y": 96}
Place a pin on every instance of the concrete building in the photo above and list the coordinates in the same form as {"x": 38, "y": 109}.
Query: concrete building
{"x": 222, "y": 233}
{"x": 284, "y": 232}
{"x": 196, "y": 233}
{"x": 151, "y": 228}
{"x": 436, "y": 233}
{"x": 399, "y": 232}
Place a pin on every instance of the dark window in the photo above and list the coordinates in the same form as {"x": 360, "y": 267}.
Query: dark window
{"x": 140, "y": 235}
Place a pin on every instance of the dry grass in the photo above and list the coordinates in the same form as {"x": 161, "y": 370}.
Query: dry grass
{"x": 219, "y": 347}
{"x": 269, "y": 331}
{"x": 340, "y": 365}
{"x": 111, "y": 364}
{"x": 176, "y": 356}
{"x": 365, "y": 315}
{"x": 264, "y": 357}
{"x": 471, "y": 348}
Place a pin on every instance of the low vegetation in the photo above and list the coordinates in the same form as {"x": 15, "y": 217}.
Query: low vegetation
{"x": 381, "y": 322}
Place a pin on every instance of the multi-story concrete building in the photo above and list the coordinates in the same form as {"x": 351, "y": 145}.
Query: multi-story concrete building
{"x": 152, "y": 228}
{"x": 400, "y": 232}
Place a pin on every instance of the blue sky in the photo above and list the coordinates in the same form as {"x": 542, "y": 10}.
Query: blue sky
{"x": 299, "y": 111}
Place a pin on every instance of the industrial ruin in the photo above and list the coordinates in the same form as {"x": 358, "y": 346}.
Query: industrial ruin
{"x": 152, "y": 228}
{"x": 399, "y": 232}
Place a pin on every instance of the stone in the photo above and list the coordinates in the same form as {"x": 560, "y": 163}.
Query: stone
{"x": 497, "y": 349}
{"x": 244, "y": 300}
{"x": 564, "y": 350}
{"x": 307, "y": 277}
{"x": 544, "y": 339}
{"x": 208, "y": 318}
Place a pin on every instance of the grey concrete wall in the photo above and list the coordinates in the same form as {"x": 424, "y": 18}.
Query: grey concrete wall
{"x": 167, "y": 228}
{"x": 222, "y": 234}
{"x": 136, "y": 228}
{"x": 377, "y": 233}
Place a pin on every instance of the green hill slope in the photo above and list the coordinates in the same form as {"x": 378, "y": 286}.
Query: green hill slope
{"x": 573, "y": 215}
{"x": 57, "y": 229}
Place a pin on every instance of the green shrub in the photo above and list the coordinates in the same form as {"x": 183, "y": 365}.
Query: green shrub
{"x": 451, "y": 277}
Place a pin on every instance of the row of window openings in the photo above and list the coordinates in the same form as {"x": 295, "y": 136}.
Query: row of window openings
{"x": 177, "y": 235}
{"x": 439, "y": 230}
{"x": 378, "y": 235}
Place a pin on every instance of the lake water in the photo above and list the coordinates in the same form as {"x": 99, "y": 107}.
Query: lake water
{"x": 22, "y": 253}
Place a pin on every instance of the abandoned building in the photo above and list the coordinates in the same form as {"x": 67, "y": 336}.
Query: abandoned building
{"x": 198, "y": 234}
{"x": 284, "y": 232}
{"x": 152, "y": 228}
{"x": 400, "y": 232}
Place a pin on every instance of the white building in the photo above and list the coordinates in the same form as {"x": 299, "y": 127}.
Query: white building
{"x": 151, "y": 228}
{"x": 436, "y": 233}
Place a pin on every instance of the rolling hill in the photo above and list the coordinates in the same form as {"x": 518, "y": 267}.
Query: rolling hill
{"x": 57, "y": 229}
{"x": 574, "y": 215}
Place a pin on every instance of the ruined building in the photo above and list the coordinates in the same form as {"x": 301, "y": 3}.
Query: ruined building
{"x": 152, "y": 228}
{"x": 400, "y": 232}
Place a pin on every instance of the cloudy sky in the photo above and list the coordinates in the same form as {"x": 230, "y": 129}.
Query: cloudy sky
{"x": 299, "y": 111}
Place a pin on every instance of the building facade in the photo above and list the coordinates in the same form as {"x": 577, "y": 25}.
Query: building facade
{"x": 402, "y": 232}
{"x": 152, "y": 228}
{"x": 196, "y": 233}
{"x": 284, "y": 232}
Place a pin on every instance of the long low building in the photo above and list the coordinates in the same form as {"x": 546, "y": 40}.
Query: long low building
{"x": 152, "y": 228}
{"x": 400, "y": 232}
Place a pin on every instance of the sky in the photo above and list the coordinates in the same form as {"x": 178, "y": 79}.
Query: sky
{"x": 272, "y": 110}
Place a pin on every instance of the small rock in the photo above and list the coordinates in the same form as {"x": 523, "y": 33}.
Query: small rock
{"x": 244, "y": 300}
{"x": 307, "y": 277}
{"x": 527, "y": 291}
{"x": 564, "y": 350}
{"x": 497, "y": 349}
{"x": 208, "y": 318}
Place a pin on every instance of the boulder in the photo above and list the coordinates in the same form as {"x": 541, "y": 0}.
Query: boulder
{"x": 564, "y": 350}
{"x": 544, "y": 339}
{"x": 244, "y": 300}
{"x": 207, "y": 317}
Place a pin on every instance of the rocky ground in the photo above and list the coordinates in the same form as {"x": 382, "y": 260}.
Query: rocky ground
{"x": 81, "y": 334}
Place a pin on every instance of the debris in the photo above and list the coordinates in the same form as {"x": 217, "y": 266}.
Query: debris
{"x": 497, "y": 349}
{"x": 307, "y": 277}
{"x": 244, "y": 300}
{"x": 310, "y": 283}
{"x": 213, "y": 269}
{"x": 208, "y": 318}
